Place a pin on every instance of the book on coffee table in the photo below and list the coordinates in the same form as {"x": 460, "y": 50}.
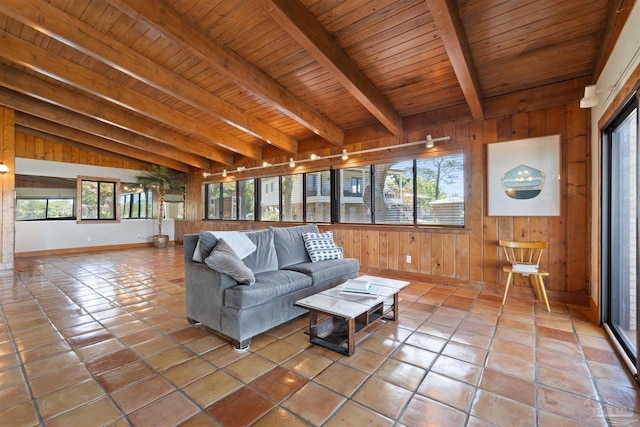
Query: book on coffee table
{"x": 373, "y": 292}
{"x": 360, "y": 288}
{"x": 356, "y": 285}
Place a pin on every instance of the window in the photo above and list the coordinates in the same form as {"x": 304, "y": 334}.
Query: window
{"x": 269, "y": 199}
{"x": 40, "y": 209}
{"x": 292, "y": 197}
{"x": 440, "y": 188}
{"x": 356, "y": 187}
{"x": 45, "y": 198}
{"x": 393, "y": 193}
{"x": 312, "y": 184}
{"x": 229, "y": 201}
{"x": 355, "y": 207}
{"x": 135, "y": 202}
{"x": 425, "y": 191}
{"x": 246, "y": 199}
{"x": 98, "y": 199}
{"x": 318, "y": 200}
{"x": 213, "y": 201}
{"x": 174, "y": 206}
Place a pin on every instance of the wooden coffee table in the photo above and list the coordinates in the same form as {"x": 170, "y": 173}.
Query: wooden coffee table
{"x": 341, "y": 315}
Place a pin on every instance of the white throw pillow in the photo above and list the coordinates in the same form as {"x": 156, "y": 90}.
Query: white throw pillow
{"x": 239, "y": 242}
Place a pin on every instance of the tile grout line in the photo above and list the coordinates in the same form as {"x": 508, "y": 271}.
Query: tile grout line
{"x": 125, "y": 416}
{"x": 468, "y": 414}
{"x": 23, "y": 368}
{"x": 592, "y": 378}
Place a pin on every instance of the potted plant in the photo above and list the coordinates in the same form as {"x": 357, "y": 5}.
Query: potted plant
{"x": 163, "y": 180}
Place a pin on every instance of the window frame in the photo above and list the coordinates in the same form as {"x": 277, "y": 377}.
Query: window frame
{"x": 611, "y": 287}
{"x": 116, "y": 200}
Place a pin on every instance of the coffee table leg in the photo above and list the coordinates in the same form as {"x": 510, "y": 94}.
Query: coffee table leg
{"x": 313, "y": 324}
{"x": 394, "y": 308}
{"x": 351, "y": 336}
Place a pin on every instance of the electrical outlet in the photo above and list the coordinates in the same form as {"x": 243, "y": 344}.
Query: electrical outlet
{"x": 88, "y": 238}
{"x": 408, "y": 259}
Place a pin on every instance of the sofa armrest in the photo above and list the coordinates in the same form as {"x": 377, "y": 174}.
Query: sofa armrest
{"x": 204, "y": 293}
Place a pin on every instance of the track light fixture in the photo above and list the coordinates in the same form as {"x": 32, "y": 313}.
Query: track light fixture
{"x": 430, "y": 143}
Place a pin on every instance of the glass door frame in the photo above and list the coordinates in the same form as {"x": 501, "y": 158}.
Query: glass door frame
{"x": 607, "y": 273}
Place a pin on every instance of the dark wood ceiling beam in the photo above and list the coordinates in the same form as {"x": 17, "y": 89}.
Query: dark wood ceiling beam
{"x": 34, "y": 107}
{"x": 55, "y": 23}
{"x": 451, "y": 31}
{"x": 65, "y": 71}
{"x": 90, "y": 107}
{"x": 294, "y": 18}
{"x": 33, "y": 124}
{"x": 163, "y": 19}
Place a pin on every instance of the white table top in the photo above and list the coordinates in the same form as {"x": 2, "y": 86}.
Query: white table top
{"x": 333, "y": 301}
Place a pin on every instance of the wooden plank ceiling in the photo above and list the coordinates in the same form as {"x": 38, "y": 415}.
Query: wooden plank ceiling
{"x": 205, "y": 84}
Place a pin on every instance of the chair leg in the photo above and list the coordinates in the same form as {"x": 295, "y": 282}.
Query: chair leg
{"x": 506, "y": 288}
{"x": 543, "y": 292}
{"x": 536, "y": 287}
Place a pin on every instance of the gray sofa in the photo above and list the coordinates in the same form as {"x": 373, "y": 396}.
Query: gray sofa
{"x": 283, "y": 274}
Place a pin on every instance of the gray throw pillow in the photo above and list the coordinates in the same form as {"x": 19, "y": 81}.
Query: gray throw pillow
{"x": 290, "y": 245}
{"x": 206, "y": 242}
{"x": 224, "y": 259}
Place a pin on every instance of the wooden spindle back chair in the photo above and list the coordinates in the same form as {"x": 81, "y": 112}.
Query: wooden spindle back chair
{"x": 524, "y": 258}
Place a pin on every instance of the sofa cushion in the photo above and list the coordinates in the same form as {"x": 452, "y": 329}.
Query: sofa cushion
{"x": 327, "y": 270}
{"x": 224, "y": 259}
{"x": 269, "y": 286}
{"x": 289, "y": 244}
{"x": 264, "y": 257}
{"x": 207, "y": 240}
{"x": 321, "y": 246}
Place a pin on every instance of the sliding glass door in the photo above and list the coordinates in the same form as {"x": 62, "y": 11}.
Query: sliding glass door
{"x": 620, "y": 229}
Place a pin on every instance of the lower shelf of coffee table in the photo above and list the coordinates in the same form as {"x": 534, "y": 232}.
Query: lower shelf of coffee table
{"x": 333, "y": 332}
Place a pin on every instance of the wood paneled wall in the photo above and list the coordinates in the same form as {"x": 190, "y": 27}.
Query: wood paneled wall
{"x": 7, "y": 188}
{"x": 37, "y": 147}
{"x": 468, "y": 255}
{"x": 471, "y": 255}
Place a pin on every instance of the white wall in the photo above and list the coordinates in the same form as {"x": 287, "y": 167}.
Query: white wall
{"x": 624, "y": 59}
{"x": 31, "y": 236}
{"x": 34, "y": 236}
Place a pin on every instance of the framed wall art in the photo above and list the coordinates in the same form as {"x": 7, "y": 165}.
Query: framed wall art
{"x": 523, "y": 177}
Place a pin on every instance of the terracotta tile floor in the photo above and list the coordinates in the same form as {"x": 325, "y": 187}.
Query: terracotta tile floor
{"x": 102, "y": 339}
